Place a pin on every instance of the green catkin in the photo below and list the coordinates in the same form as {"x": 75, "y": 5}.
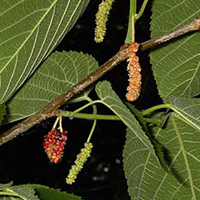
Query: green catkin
{"x": 101, "y": 19}
{"x": 79, "y": 162}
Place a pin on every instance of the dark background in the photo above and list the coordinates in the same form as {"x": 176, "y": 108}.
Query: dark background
{"x": 23, "y": 159}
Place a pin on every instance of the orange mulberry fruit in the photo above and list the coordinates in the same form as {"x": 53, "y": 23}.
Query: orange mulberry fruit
{"x": 135, "y": 77}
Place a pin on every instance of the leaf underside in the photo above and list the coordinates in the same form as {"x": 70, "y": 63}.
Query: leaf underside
{"x": 56, "y": 75}
{"x": 30, "y": 30}
{"x": 18, "y": 192}
{"x": 154, "y": 182}
{"x": 113, "y": 102}
{"x": 34, "y": 192}
{"x": 180, "y": 138}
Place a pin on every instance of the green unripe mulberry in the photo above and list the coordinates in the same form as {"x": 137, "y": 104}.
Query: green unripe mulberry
{"x": 79, "y": 162}
{"x": 101, "y": 19}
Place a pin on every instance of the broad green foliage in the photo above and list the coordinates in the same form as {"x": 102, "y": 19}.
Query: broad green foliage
{"x": 176, "y": 65}
{"x": 57, "y": 74}
{"x": 183, "y": 145}
{"x": 181, "y": 141}
{"x": 30, "y": 30}
{"x": 33, "y": 192}
{"x": 2, "y": 112}
{"x": 113, "y": 102}
{"x": 135, "y": 160}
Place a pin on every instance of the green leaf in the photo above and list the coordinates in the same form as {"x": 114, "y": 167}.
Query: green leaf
{"x": 57, "y": 74}
{"x": 181, "y": 142}
{"x": 2, "y": 112}
{"x": 187, "y": 109}
{"x": 113, "y": 102}
{"x": 135, "y": 156}
{"x": 143, "y": 123}
{"x": 180, "y": 138}
{"x": 34, "y": 192}
{"x": 46, "y": 193}
{"x": 138, "y": 147}
{"x": 17, "y": 193}
{"x": 3, "y": 186}
{"x": 30, "y": 30}
{"x": 176, "y": 64}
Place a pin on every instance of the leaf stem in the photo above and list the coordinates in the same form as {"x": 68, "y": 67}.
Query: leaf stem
{"x": 157, "y": 107}
{"x": 90, "y": 116}
{"x": 95, "y": 121}
{"x": 85, "y": 106}
{"x": 137, "y": 16}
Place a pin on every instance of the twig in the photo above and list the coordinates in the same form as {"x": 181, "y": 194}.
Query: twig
{"x": 52, "y": 109}
{"x": 190, "y": 27}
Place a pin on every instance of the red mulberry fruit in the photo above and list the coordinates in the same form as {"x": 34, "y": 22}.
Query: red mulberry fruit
{"x": 54, "y": 144}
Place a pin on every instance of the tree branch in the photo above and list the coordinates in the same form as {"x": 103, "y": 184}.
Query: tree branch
{"x": 190, "y": 27}
{"x": 52, "y": 109}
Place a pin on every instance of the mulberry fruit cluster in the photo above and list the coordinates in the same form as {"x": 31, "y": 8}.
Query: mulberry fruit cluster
{"x": 134, "y": 68}
{"x": 54, "y": 144}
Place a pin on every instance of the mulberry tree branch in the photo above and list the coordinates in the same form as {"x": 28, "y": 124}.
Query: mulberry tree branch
{"x": 122, "y": 54}
{"x": 52, "y": 109}
{"x": 190, "y": 27}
